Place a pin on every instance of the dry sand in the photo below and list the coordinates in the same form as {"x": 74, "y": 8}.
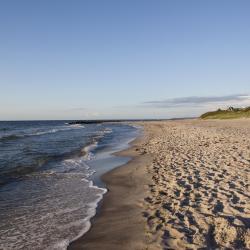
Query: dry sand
{"x": 186, "y": 188}
{"x": 200, "y": 195}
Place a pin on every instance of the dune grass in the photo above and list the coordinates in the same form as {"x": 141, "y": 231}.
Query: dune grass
{"x": 231, "y": 113}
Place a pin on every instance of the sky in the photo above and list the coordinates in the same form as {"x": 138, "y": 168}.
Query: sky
{"x": 81, "y": 59}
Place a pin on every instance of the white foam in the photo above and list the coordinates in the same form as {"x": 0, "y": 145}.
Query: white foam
{"x": 88, "y": 149}
{"x": 60, "y": 245}
{"x": 91, "y": 212}
{"x": 54, "y": 130}
{"x": 88, "y": 154}
{"x": 77, "y": 126}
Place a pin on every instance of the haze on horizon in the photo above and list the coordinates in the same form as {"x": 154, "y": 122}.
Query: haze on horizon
{"x": 122, "y": 59}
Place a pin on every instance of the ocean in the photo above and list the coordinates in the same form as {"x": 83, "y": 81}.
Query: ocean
{"x": 50, "y": 179}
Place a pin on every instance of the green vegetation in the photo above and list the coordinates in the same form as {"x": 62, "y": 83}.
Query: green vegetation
{"x": 230, "y": 113}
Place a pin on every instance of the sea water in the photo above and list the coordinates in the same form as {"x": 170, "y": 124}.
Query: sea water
{"x": 50, "y": 179}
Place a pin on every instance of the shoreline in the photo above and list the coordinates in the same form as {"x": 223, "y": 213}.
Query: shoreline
{"x": 119, "y": 214}
{"x": 185, "y": 187}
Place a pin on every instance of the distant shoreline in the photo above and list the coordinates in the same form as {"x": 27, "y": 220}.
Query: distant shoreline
{"x": 126, "y": 120}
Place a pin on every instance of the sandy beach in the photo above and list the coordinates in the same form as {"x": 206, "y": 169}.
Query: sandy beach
{"x": 187, "y": 187}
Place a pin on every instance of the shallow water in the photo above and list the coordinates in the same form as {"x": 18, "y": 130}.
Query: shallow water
{"x": 47, "y": 171}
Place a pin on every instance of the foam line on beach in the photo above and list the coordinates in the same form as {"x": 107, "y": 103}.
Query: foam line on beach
{"x": 91, "y": 212}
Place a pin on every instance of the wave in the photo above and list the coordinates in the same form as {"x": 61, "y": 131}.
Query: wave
{"x": 73, "y": 159}
{"x": 47, "y": 132}
{"x": 18, "y": 171}
{"x": 84, "y": 223}
{"x": 78, "y": 211}
{"x": 76, "y": 125}
{"x": 87, "y": 150}
{"x": 45, "y": 162}
{"x": 37, "y": 133}
{"x": 91, "y": 213}
{"x": 54, "y": 130}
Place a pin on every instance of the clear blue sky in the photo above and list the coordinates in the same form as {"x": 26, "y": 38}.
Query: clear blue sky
{"x": 121, "y": 59}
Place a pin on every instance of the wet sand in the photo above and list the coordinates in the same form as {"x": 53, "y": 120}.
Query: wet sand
{"x": 119, "y": 223}
{"x": 187, "y": 187}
